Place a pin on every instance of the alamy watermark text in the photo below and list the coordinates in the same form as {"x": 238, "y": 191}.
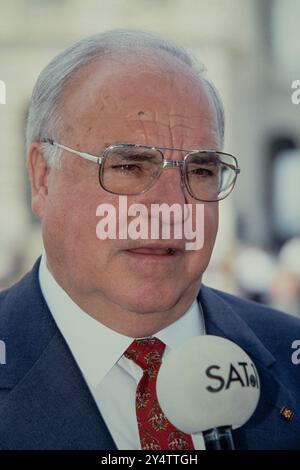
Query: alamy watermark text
{"x": 162, "y": 221}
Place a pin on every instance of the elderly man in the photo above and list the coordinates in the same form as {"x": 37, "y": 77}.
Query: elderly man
{"x": 126, "y": 114}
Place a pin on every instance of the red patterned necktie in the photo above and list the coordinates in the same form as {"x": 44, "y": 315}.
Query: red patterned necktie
{"x": 156, "y": 432}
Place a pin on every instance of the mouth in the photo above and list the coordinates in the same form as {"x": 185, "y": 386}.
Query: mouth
{"x": 155, "y": 251}
{"x": 152, "y": 251}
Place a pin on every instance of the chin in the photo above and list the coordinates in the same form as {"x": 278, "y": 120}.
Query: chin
{"x": 151, "y": 300}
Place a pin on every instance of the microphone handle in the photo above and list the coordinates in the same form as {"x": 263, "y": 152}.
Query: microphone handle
{"x": 218, "y": 438}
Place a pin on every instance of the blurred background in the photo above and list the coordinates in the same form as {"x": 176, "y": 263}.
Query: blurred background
{"x": 251, "y": 49}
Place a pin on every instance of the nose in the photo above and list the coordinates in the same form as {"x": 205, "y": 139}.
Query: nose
{"x": 169, "y": 193}
{"x": 169, "y": 187}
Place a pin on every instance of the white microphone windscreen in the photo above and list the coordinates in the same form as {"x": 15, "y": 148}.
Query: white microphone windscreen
{"x": 207, "y": 382}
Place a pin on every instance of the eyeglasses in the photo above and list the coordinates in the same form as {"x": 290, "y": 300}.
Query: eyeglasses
{"x": 131, "y": 169}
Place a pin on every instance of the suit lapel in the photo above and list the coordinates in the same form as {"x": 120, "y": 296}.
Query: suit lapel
{"x": 222, "y": 320}
{"x": 266, "y": 427}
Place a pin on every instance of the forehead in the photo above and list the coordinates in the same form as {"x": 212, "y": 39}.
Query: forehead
{"x": 118, "y": 97}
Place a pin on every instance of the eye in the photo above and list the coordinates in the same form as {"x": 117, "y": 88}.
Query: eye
{"x": 203, "y": 172}
{"x": 127, "y": 168}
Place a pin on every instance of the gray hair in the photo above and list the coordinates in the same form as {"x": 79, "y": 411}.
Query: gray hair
{"x": 44, "y": 119}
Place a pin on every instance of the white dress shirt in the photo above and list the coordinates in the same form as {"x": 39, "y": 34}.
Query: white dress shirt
{"x": 98, "y": 352}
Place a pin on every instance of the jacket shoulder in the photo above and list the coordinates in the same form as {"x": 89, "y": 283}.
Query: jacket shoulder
{"x": 26, "y": 326}
{"x": 275, "y": 329}
{"x": 14, "y": 296}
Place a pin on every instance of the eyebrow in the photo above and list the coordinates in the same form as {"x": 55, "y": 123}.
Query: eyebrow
{"x": 138, "y": 157}
{"x": 212, "y": 160}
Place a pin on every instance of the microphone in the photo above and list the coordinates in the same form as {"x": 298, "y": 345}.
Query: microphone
{"x": 210, "y": 385}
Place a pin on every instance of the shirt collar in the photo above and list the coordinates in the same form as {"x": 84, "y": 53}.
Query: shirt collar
{"x": 95, "y": 347}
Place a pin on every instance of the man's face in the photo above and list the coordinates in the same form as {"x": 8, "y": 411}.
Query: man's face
{"x": 156, "y": 103}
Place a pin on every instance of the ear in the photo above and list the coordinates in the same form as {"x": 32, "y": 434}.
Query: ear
{"x": 38, "y": 172}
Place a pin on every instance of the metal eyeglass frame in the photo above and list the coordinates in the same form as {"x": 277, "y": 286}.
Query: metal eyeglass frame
{"x": 165, "y": 163}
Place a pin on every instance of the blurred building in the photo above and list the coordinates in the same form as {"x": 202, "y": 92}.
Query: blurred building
{"x": 251, "y": 51}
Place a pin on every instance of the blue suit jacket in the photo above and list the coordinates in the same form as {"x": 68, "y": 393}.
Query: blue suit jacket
{"x": 45, "y": 402}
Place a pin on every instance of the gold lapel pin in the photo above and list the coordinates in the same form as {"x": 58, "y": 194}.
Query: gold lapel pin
{"x": 286, "y": 413}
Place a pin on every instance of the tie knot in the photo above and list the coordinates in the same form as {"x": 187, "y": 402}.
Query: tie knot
{"x": 146, "y": 353}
